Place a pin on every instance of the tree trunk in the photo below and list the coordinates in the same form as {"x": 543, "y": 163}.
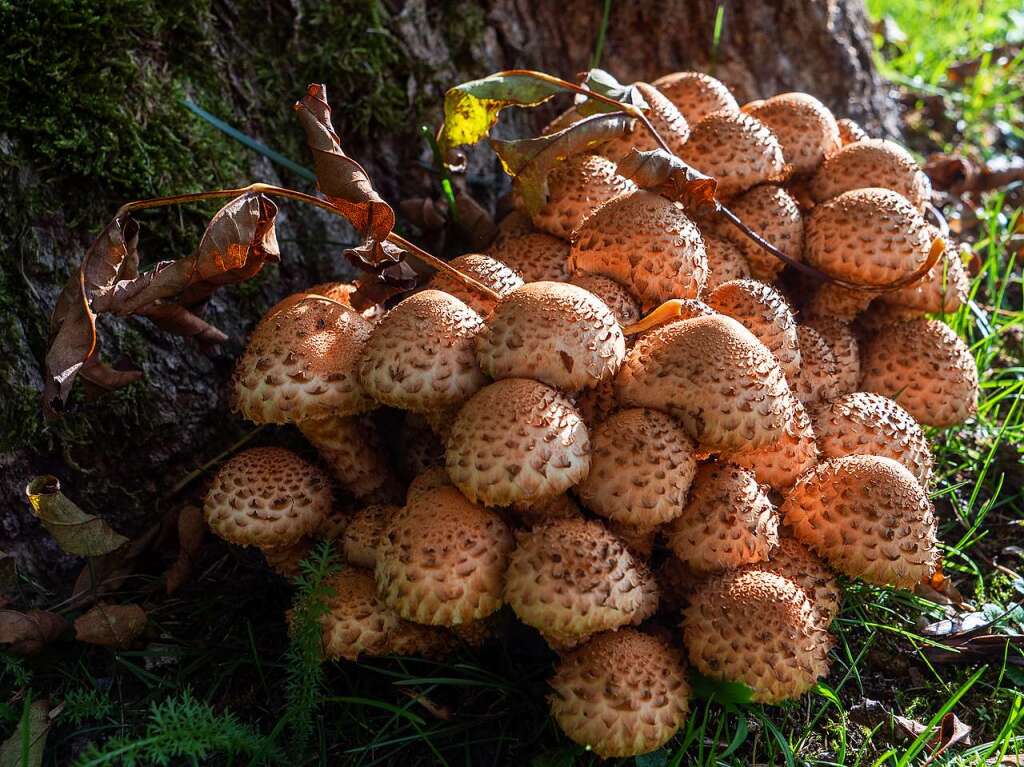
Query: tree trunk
{"x": 120, "y": 455}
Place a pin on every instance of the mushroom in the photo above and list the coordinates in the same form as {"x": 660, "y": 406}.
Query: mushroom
{"x": 266, "y": 497}
{"x": 536, "y": 257}
{"x": 872, "y": 163}
{"x": 845, "y": 348}
{"x": 868, "y": 517}
{"x": 623, "y": 304}
{"x": 517, "y": 440}
{"x": 641, "y": 466}
{"x": 420, "y": 356}
{"x": 727, "y": 522}
{"x": 571, "y": 578}
{"x": 805, "y": 127}
{"x": 335, "y": 291}
{"x": 515, "y": 224}
{"x": 712, "y": 374}
{"x": 576, "y": 188}
{"x": 557, "y": 507}
{"x": 362, "y": 537}
{"x": 485, "y": 270}
{"x": 639, "y": 539}
{"x": 772, "y": 212}
{"x": 850, "y": 131}
{"x": 353, "y": 451}
{"x": 430, "y": 479}
{"x": 757, "y": 628}
{"x": 763, "y": 311}
{"x": 622, "y": 694}
{"x": 864, "y": 423}
{"x": 781, "y": 463}
{"x": 942, "y": 290}
{"x": 597, "y": 403}
{"x": 442, "y": 559}
{"x": 726, "y": 261}
{"x": 643, "y": 241}
{"x": 418, "y": 447}
{"x": 664, "y": 117}
{"x": 552, "y": 332}
{"x": 736, "y": 149}
{"x": 696, "y": 95}
{"x": 286, "y": 562}
{"x": 925, "y": 367}
{"x": 817, "y": 380}
{"x": 794, "y": 561}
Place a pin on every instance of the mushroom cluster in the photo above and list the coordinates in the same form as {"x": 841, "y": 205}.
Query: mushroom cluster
{"x": 651, "y": 496}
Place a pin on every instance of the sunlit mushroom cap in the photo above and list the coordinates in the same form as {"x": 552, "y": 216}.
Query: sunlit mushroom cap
{"x": 517, "y": 440}
{"x": 536, "y": 257}
{"x": 576, "y": 188}
{"x": 726, "y": 260}
{"x": 736, "y": 149}
{"x": 486, "y": 270}
{"x": 792, "y": 560}
{"x": 664, "y": 117}
{"x": 805, "y": 127}
{"x": 442, "y": 559}
{"x": 267, "y": 497}
{"x": 868, "y": 517}
{"x": 622, "y": 694}
{"x": 771, "y": 212}
{"x": 942, "y": 290}
{"x": 845, "y": 348}
{"x": 781, "y": 463}
{"x": 623, "y": 304}
{"x": 696, "y": 95}
{"x": 763, "y": 311}
{"x": 302, "y": 363}
{"x": 817, "y": 379}
{"x": 872, "y": 163}
{"x": 850, "y": 131}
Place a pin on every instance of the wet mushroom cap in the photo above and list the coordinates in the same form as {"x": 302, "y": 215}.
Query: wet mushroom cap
{"x": 868, "y": 517}
{"x": 792, "y": 560}
{"x": 763, "y": 311}
{"x": 536, "y": 257}
{"x": 486, "y": 270}
{"x": 804, "y": 126}
{"x": 267, "y": 497}
{"x": 736, "y": 149}
{"x": 872, "y": 163}
{"x": 552, "y": 332}
{"x": 771, "y": 212}
{"x": 576, "y": 188}
{"x": 623, "y": 304}
{"x": 696, "y": 95}
{"x": 622, "y": 694}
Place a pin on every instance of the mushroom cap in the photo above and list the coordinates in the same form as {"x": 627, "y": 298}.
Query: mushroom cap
{"x": 624, "y": 693}
{"x": 872, "y": 163}
{"x": 442, "y": 559}
{"x": 418, "y": 447}
{"x": 557, "y": 507}
{"x": 623, "y": 304}
{"x": 864, "y": 423}
{"x": 867, "y": 236}
{"x": 641, "y": 466}
{"x": 597, "y": 403}
{"x": 763, "y": 311}
{"x": 352, "y": 450}
{"x": 781, "y": 463}
{"x": 434, "y": 477}
{"x": 850, "y": 131}
{"x": 942, "y": 290}
{"x": 516, "y": 223}
{"x": 757, "y": 628}
{"x": 536, "y": 257}
{"x": 726, "y": 261}
{"x": 420, "y": 356}
{"x": 640, "y": 542}
{"x": 868, "y": 517}
{"x": 576, "y": 188}
{"x": 267, "y": 497}
{"x": 845, "y": 348}
{"x": 302, "y": 363}
{"x": 727, "y": 522}
{"x": 804, "y": 126}
{"x": 286, "y": 562}
{"x": 772, "y": 213}
{"x": 925, "y": 367}
{"x": 643, "y": 241}
{"x": 336, "y": 291}
{"x": 696, "y": 95}
{"x": 517, "y": 440}
{"x": 792, "y": 560}
{"x": 553, "y": 332}
{"x": 817, "y": 380}
{"x": 484, "y": 269}
{"x": 666, "y": 119}
{"x": 677, "y": 581}
{"x": 571, "y": 578}
{"x": 736, "y": 149}
{"x": 362, "y": 536}
{"x": 829, "y": 300}
{"x": 714, "y": 376}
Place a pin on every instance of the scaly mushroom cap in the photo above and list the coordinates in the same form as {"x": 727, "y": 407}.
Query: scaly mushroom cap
{"x": 430, "y": 479}
{"x": 696, "y": 95}
{"x": 640, "y": 542}
{"x": 418, "y": 447}
{"x": 867, "y": 236}
{"x": 596, "y": 404}
{"x": 792, "y": 560}
{"x": 576, "y": 188}
{"x": 726, "y": 261}
{"x": 925, "y": 367}
{"x": 757, "y": 628}
{"x": 942, "y": 290}
{"x": 715, "y": 377}
{"x": 517, "y": 440}
{"x": 781, "y": 463}
{"x": 763, "y": 311}
{"x": 553, "y": 332}
{"x": 352, "y": 450}
{"x": 641, "y": 466}
{"x": 727, "y": 522}
{"x": 845, "y": 349}
{"x": 484, "y": 269}
{"x": 677, "y": 582}
{"x": 850, "y": 131}
{"x": 863, "y": 423}
{"x": 646, "y": 243}
{"x": 442, "y": 559}
{"x": 361, "y": 538}
{"x": 302, "y": 363}
{"x": 829, "y": 300}
{"x": 267, "y": 497}
{"x": 804, "y": 126}
{"x": 420, "y": 355}
{"x": 736, "y": 149}
{"x": 624, "y": 693}
{"x": 868, "y": 517}
{"x": 872, "y": 163}
{"x": 536, "y": 257}
{"x": 772, "y": 212}
{"x": 817, "y": 380}
{"x": 336, "y": 291}
{"x": 571, "y": 578}
{"x": 666, "y": 119}
{"x": 559, "y": 507}
{"x": 286, "y": 562}
{"x": 515, "y": 224}
{"x": 624, "y": 305}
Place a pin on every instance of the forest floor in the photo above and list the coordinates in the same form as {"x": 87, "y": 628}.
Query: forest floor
{"x": 221, "y": 682}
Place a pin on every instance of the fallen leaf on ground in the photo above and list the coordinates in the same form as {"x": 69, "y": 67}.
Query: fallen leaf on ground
{"x": 667, "y": 175}
{"x": 32, "y": 729}
{"x": 950, "y": 731}
{"x": 111, "y": 625}
{"x": 29, "y": 632}
{"x": 960, "y": 176}
{"x": 75, "y": 531}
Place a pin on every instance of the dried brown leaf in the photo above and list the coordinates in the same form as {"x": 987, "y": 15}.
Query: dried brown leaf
{"x": 111, "y": 625}
{"x": 667, "y": 175}
{"x": 33, "y": 730}
{"x": 75, "y": 531}
{"x": 29, "y": 632}
{"x": 961, "y": 176}
{"x": 950, "y": 731}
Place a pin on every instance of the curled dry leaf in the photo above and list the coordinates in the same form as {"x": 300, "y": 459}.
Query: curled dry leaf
{"x": 602, "y": 82}
{"x": 191, "y": 530}
{"x": 31, "y": 732}
{"x": 960, "y": 176}
{"x": 667, "y": 175}
{"x": 111, "y": 625}
{"x": 75, "y": 531}
{"x": 472, "y": 221}
{"x": 29, "y": 632}
{"x": 950, "y": 731}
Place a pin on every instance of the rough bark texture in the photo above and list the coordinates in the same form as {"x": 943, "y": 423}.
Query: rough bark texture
{"x": 118, "y": 456}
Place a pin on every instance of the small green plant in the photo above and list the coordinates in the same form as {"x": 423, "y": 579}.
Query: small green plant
{"x": 86, "y": 704}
